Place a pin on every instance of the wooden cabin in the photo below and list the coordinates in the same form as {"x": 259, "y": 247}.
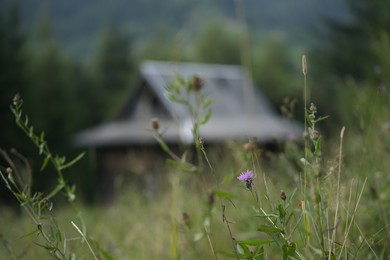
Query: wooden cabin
{"x": 127, "y": 146}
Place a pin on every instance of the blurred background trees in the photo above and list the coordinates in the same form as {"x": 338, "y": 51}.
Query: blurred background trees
{"x": 350, "y": 58}
{"x": 12, "y": 66}
{"x": 347, "y": 49}
{"x": 111, "y": 72}
{"x": 218, "y": 42}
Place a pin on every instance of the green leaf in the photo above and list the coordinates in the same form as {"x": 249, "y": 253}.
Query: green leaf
{"x": 173, "y": 98}
{"x": 57, "y": 189}
{"x": 163, "y": 145}
{"x": 255, "y": 242}
{"x": 45, "y": 162}
{"x": 289, "y": 218}
{"x": 289, "y": 198}
{"x": 31, "y": 131}
{"x": 205, "y": 118}
{"x": 26, "y": 121}
{"x": 21, "y": 197}
{"x": 60, "y": 161}
{"x": 285, "y": 253}
{"x": 59, "y": 235}
{"x": 207, "y": 102}
{"x": 41, "y": 148}
{"x": 184, "y": 157}
{"x": 180, "y": 80}
{"x": 282, "y": 212}
{"x": 243, "y": 249}
{"x": 42, "y": 136}
{"x": 270, "y": 215}
{"x": 5, "y": 180}
{"x": 71, "y": 163}
{"x": 268, "y": 229}
{"x": 259, "y": 253}
{"x": 47, "y": 247}
{"x": 289, "y": 250}
{"x": 321, "y": 118}
{"x": 317, "y": 146}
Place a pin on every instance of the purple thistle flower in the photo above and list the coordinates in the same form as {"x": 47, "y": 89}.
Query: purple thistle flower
{"x": 246, "y": 176}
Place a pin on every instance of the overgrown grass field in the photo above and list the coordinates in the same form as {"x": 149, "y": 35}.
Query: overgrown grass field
{"x": 321, "y": 197}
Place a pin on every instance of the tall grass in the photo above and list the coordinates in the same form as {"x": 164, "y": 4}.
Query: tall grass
{"x": 313, "y": 199}
{"x": 327, "y": 215}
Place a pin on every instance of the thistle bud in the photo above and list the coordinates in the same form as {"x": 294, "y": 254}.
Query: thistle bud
{"x": 17, "y": 100}
{"x": 313, "y": 107}
{"x": 250, "y": 145}
{"x": 197, "y": 82}
{"x": 154, "y": 123}
{"x": 283, "y": 196}
{"x": 315, "y": 134}
{"x": 186, "y": 219}
{"x": 210, "y": 198}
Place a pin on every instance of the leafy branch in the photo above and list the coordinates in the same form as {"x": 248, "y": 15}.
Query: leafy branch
{"x": 59, "y": 162}
{"x": 39, "y": 206}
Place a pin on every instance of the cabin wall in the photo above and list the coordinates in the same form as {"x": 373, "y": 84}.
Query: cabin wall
{"x": 129, "y": 167}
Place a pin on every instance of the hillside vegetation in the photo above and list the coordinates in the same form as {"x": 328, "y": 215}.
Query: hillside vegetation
{"x": 77, "y": 25}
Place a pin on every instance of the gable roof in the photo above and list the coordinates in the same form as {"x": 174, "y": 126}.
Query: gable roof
{"x": 222, "y": 83}
{"x": 239, "y": 110}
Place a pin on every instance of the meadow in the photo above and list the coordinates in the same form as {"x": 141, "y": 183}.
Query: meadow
{"x": 320, "y": 197}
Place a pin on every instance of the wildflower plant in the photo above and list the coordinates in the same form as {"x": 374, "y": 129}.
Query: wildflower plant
{"x": 39, "y": 206}
{"x": 309, "y": 219}
{"x": 247, "y": 178}
{"x": 187, "y": 92}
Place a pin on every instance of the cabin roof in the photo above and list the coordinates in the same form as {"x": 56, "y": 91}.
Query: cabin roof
{"x": 239, "y": 110}
{"x": 222, "y": 83}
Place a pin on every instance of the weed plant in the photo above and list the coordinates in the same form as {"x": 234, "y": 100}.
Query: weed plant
{"x": 46, "y": 232}
{"x": 316, "y": 216}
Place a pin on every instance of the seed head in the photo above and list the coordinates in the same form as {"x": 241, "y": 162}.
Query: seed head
{"x": 304, "y": 65}
{"x": 250, "y": 146}
{"x": 197, "y": 82}
{"x": 210, "y": 198}
{"x": 283, "y": 196}
{"x": 186, "y": 218}
{"x": 9, "y": 170}
{"x": 315, "y": 134}
{"x": 17, "y": 100}
{"x": 154, "y": 123}
{"x": 313, "y": 107}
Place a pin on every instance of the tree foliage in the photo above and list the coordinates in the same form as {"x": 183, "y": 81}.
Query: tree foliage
{"x": 12, "y": 67}
{"x": 217, "y": 44}
{"x": 112, "y": 71}
{"x": 348, "y": 48}
{"x": 274, "y": 72}
{"x": 61, "y": 96}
